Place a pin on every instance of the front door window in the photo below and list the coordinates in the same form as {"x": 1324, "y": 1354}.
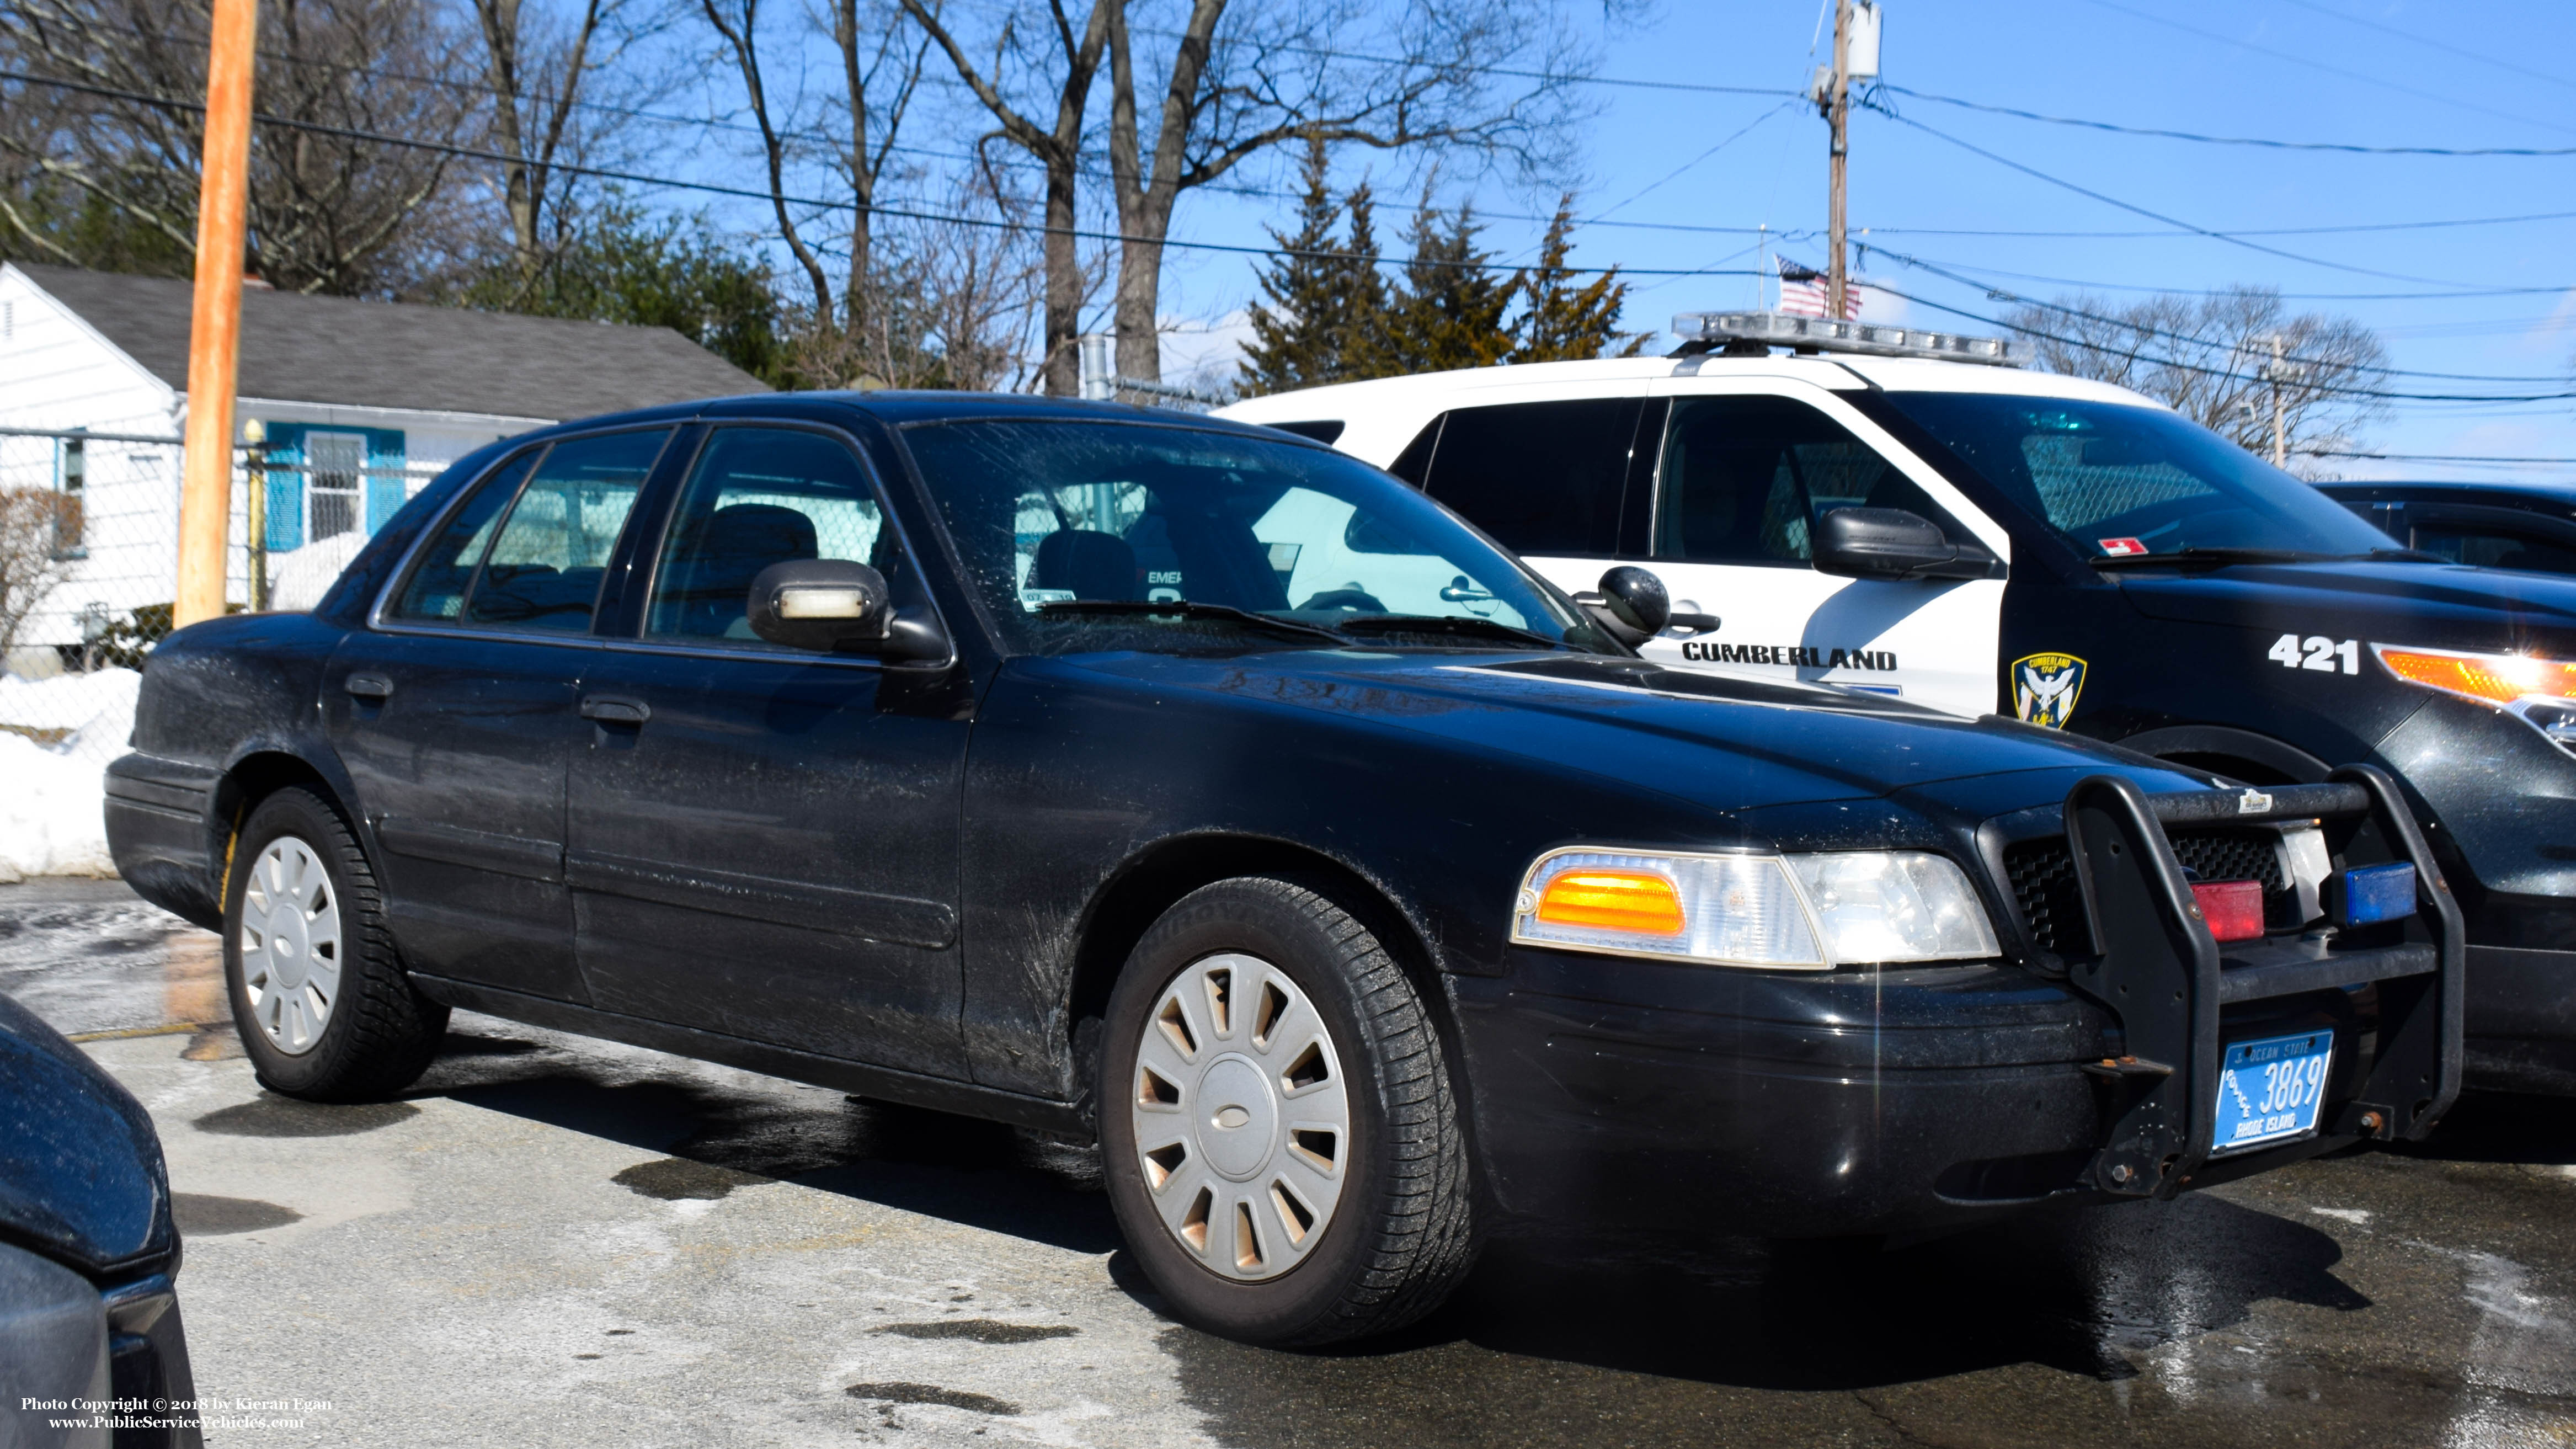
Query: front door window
{"x": 336, "y": 472}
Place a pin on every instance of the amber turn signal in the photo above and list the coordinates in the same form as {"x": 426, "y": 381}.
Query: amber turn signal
{"x": 2496, "y": 678}
{"x": 1613, "y": 900}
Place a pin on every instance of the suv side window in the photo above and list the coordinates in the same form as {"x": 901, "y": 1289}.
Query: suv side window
{"x": 2493, "y": 547}
{"x": 1742, "y": 478}
{"x": 760, "y": 496}
{"x": 1542, "y": 478}
{"x": 545, "y": 563}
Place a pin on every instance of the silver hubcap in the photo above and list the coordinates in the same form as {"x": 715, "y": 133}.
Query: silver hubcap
{"x": 1243, "y": 1123}
{"x": 290, "y": 945}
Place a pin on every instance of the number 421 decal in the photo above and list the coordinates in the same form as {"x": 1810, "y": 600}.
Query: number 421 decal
{"x": 2320, "y": 653}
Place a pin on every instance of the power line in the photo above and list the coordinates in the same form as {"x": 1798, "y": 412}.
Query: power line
{"x": 2207, "y": 140}
{"x": 2412, "y": 37}
{"x": 2293, "y": 59}
{"x": 2064, "y": 310}
{"x": 2242, "y": 230}
{"x": 471, "y": 153}
{"x": 2180, "y": 365}
{"x": 2086, "y": 191}
{"x": 2229, "y": 291}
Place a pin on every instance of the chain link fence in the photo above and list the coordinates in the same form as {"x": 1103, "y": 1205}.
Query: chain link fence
{"x": 89, "y": 549}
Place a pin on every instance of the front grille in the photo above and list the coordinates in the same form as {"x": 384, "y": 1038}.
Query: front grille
{"x": 2042, "y": 875}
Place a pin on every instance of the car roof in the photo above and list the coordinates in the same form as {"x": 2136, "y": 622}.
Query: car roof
{"x": 897, "y": 408}
{"x": 2553, "y": 494}
{"x": 1838, "y": 373}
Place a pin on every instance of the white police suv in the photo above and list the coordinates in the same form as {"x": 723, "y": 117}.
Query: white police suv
{"x": 1908, "y": 513}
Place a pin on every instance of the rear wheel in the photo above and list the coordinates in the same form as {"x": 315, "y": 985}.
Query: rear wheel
{"x": 318, "y": 991}
{"x": 1279, "y": 1133}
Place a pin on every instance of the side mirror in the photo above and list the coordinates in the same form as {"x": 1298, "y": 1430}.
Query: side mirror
{"x": 820, "y": 604}
{"x": 1890, "y": 543}
{"x": 1631, "y": 607}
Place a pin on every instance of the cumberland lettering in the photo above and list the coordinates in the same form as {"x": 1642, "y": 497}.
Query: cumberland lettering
{"x": 1799, "y": 655}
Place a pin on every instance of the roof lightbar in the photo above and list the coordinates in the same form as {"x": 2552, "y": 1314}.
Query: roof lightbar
{"x": 1825, "y": 334}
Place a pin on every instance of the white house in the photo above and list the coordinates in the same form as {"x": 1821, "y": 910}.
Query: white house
{"x": 362, "y": 403}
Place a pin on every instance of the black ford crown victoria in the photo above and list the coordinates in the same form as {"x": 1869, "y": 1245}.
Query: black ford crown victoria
{"x": 1199, "y": 787}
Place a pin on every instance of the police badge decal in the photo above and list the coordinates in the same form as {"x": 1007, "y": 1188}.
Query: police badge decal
{"x": 2045, "y": 687}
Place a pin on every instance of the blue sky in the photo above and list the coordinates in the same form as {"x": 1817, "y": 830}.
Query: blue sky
{"x": 2357, "y": 72}
{"x": 2362, "y": 72}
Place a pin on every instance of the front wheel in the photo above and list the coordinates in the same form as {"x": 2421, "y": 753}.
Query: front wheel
{"x": 318, "y": 992}
{"x": 1280, "y": 1136}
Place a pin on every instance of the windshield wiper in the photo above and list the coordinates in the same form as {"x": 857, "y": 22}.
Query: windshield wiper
{"x": 2212, "y": 557}
{"x": 2402, "y": 555}
{"x": 1444, "y": 624}
{"x": 1187, "y": 609}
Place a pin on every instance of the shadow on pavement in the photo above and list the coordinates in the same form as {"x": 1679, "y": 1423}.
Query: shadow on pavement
{"x": 976, "y": 1173}
{"x": 1640, "y": 1336}
{"x": 2502, "y": 1127}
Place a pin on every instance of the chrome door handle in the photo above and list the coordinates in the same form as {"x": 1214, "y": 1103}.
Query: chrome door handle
{"x": 369, "y": 686}
{"x": 615, "y": 709}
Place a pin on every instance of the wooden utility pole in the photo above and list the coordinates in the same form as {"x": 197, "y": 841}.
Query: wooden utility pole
{"x": 1838, "y": 112}
{"x": 214, "y": 339}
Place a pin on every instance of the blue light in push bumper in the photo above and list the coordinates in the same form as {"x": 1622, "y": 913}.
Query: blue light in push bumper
{"x": 2369, "y": 894}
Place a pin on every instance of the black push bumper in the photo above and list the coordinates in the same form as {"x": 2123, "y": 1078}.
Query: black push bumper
{"x": 1914, "y": 1099}
{"x": 2174, "y": 987}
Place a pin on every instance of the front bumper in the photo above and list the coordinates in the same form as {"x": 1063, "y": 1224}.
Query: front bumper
{"x": 1659, "y": 1096}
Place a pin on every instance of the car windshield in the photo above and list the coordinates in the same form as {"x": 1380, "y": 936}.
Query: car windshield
{"x": 2119, "y": 481}
{"x": 1073, "y": 531}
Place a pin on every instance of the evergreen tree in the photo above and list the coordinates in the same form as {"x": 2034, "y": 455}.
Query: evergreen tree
{"x": 1563, "y": 322}
{"x": 1320, "y": 295}
{"x": 1447, "y": 311}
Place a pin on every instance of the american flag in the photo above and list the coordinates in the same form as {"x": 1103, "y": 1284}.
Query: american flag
{"x": 1802, "y": 292}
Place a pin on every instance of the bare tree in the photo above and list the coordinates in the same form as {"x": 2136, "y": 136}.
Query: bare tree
{"x": 2211, "y": 359}
{"x": 1493, "y": 77}
{"x": 33, "y": 562}
{"x": 329, "y": 212}
{"x": 1060, "y": 70}
{"x": 542, "y": 66}
{"x": 946, "y": 304}
{"x": 873, "y": 103}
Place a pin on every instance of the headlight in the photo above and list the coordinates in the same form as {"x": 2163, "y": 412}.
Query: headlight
{"x": 1797, "y": 912}
{"x": 2539, "y": 692}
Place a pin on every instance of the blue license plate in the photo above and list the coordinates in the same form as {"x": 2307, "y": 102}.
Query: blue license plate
{"x": 2271, "y": 1090}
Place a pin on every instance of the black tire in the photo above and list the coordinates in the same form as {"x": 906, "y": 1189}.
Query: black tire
{"x": 379, "y": 1034}
{"x": 1402, "y": 1234}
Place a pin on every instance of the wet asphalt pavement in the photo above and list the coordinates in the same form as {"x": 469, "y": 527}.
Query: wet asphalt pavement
{"x": 557, "y": 1241}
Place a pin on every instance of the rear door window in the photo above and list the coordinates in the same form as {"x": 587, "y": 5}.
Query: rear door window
{"x": 2486, "y": 547}
{"x": 1543, "y": 478}
{"x": 540, "y": 569}
{"x": 1742, "y": 479}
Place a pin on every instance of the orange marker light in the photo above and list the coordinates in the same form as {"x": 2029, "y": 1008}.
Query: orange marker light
{"x": 2496, "y": 678}
{"x": 1612, "y": 900}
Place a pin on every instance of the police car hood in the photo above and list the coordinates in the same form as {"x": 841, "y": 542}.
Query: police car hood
{"x": 80, "y": 1166}
{"x": 2440, "y": 606}
{"x": 1728, "y": 743}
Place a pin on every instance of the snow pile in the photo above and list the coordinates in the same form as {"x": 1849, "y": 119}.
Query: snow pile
{"x": 51, "y": 793}
{"x": 298, "y": 580}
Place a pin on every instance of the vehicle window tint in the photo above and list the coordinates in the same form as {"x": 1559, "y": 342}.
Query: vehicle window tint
{"x": 1742, "y": 479}
{"x": 1542, "y": 478}
{"x": 2115, "y": 479}
{"x": 438, "y": 582}
{"x": 759, "y": 496}
{"x": 2497, "y": 549}
{"x": 547, "y": 562}
{"x": 1051, "y": 516}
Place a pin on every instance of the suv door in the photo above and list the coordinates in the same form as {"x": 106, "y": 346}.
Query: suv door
{"x": 763, "y": 840}
{"x": 1740, "y": 476}
{"x": 453, "y": 711}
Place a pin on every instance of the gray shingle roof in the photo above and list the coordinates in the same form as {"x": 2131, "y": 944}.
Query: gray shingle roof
{"x": 297, "y": 348}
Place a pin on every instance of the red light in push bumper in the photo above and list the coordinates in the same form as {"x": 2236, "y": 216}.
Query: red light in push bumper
{"x": 2233, "y": 908}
